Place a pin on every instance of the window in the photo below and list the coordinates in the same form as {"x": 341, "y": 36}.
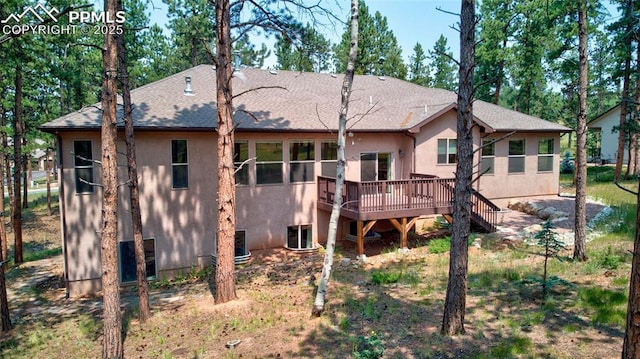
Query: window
{"x": 240, "y": 155}
{"x": 545, "y": 155}
{"x": 446, "y": 151}
{"x": 516, "y": 156}
{"x": 301, "y": 161}
{"x": 128, "y": 260}
{"x": 179, "y": 164}
{"x": 83, "y": 166}
{"x": 488, "y": 156}
{"x": 241, "y": 244}
{"x": 299, "y": 237}
{"x": 329, "y": 158}
{"x": 269, "y": 162}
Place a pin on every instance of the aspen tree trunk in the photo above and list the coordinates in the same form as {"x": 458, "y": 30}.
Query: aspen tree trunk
{"x": 225, "y": 276}
{"x": 624, "y": 105}
{"x": 319, "y": 303}
{"x": 112, "y": 317}
{"x": 580, "y": 244}
{"x": 134, "y": 192}
{"x": 455, "y": 300}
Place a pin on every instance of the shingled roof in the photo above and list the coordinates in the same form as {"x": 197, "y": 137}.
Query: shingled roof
{"x": 295, "y": 101}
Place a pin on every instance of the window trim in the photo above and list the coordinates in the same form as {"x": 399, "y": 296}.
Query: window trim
{"x": 447, "y": 153}
{"x": 181, "y": 164}
{"x": 312, "y": 161}
{"x": 523, "y": 156}
{"x": 153, "y": 276}
{"x": 91, "y": 189}
{"x": 547, "y": 155}
{"x": 258, "y": 162}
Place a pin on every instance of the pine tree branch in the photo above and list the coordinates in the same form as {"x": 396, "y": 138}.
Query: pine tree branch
{"x": 259, "y": 88}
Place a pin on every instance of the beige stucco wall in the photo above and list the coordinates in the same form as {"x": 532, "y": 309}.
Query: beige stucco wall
{"x": 500, "y": 184}
{"x": 265, "y": 211}
{"x": 181, "y": 221}
{"x": 504, "y": 185}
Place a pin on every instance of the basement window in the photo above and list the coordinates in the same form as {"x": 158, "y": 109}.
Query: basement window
{"x": 299, "y": 237}
{"x": 128, "y": 260}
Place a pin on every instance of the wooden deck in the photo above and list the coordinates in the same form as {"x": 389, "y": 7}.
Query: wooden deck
{"x": 402, "y": 202}
{"x": 364, "y": 201}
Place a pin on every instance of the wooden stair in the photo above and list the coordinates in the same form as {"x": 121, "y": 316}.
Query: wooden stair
{"x": 484, "y": 213}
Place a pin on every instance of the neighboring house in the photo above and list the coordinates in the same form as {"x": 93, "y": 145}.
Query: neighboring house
{"x": 603, "y": 128}
{"x": 400, "y": 152}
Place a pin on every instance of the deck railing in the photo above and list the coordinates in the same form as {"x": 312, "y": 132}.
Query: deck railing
{"x": 420, "y": 192}
{"x": 393, "y": 195}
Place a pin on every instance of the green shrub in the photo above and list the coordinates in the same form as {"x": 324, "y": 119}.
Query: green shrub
{"x": 380, "y": 277}
{"x": 368, "y": 347}
{"x": 440, "y": 245}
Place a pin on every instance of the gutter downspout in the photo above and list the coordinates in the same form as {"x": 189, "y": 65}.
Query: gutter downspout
{"x": 61, "y": 206}
{"x": 413, "y": 152}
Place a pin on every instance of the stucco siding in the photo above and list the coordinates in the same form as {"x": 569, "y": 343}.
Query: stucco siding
{"x": 531, "y": 182}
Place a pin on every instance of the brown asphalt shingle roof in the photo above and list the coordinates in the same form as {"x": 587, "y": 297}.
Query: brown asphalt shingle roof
{"x": 294, "y": 101}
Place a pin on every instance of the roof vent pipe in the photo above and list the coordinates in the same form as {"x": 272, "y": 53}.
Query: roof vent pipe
{"x": 187, "y": 89}
{"x": 237, "y": 61}
{"x": 370, "y": 100}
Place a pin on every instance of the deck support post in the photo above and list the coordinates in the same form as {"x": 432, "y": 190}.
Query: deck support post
{"x": 360, "y": 240}
{"x": 403, "y": 227}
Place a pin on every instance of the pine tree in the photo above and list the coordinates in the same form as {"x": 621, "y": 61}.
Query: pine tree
{"x": 444, "y": 67}
{"x": 418, "y": 69}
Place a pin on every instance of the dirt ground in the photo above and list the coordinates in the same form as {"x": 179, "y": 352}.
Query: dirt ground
{"x": 271, "y": 317}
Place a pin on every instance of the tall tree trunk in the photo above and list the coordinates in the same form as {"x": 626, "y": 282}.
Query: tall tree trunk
{"x": 631, "y": 344}
{"x": 636, "y": 152}
{"x": 455, "y": 301}
{"x": 4, "y": 241}
{"x": 319, "y": 303}
{"x": 5, "y": 318}
{"x": 47, "y": 169}
{"x": 112, "y": 317}
{"x": 134, "y": 192}
{"x": 626, "y": 96}
{"x": 25, "y": 179}
{"x": 225, "y": 276}
{"x": 580, "y": 243}
{"x": 16, "y": 213}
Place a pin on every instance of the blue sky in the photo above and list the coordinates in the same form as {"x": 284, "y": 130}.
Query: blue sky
{"x": 411, "y": 21}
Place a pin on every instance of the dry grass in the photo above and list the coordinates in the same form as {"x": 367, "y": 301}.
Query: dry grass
{"x": 396, "y": 298}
